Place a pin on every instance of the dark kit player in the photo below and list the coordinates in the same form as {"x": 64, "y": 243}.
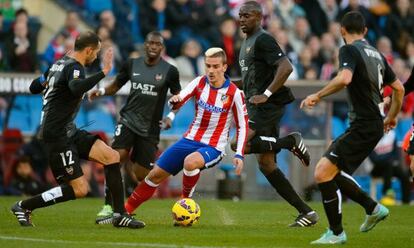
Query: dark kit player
{"x": 265, "y": 69}
{"x": 63, "y": 90}
{"x": 364, "y": 72}
{"x": 140, "y": 119}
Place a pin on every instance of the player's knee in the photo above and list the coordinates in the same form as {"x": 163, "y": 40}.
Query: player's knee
{"x": 319, "y": 175}
{"x": 111, "y": 156}
{"x": 192, "y": 163}
{"x": 266, "y": 165}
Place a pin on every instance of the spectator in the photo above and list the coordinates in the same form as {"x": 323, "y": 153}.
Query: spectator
{"x": 119, "y": 34}
{"x": 314, "y": 12}
{"x": 21, "y": 51}
{"x": 409, "y": 53}
{"x": 305, "y": 62}
{"x": 191, "y": 62}
{"x": 330, "y": 7}
{"x": 400, "y": 25}
{"x": 231, "y": 44}
{"x": 154, "y": 18}
{"x": 373, "y": 30}
{"x": 24, "y": 179}
{"x": 299, "y": 34}
{"x": 56, "y": 48}
{"x": 385, "y": 48}
{"x": 71, "y": 25}
{"x": 288, "y": 11}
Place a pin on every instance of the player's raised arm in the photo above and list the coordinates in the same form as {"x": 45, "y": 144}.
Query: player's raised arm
{"x": 78, "y": 86}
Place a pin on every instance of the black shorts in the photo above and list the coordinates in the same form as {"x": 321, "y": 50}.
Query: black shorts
{"x": 410, "y": 149}
{"x": 350, "y": 149}
{"x": 265, "y": 118}
{"x": 143, "y": 148}
{"x": 64, "y": 155}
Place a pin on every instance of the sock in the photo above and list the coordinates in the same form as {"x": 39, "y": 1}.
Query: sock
{"x": 55, "y": 195}
{"x": 113, "y": 181}
{"x": 351, "y": 189}
{"x": 278, "y": 180}
{"x": 108, "y": 196}
{"x": 142, "y": 193}
{"x": 332, "y": 200}
{"x": 190, "y": 179}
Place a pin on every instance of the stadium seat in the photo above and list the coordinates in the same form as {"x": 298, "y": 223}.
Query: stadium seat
{"x": 97, "y": 6}
{"x": 20, "y": 119}
{"x": 10, "y": 142}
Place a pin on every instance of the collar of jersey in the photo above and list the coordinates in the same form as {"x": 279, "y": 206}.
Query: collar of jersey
{"x": 226, "y": 83}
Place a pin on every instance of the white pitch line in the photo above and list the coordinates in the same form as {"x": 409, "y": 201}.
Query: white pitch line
{"x": 57, "y": 241}
{"x": 225, "y": 216}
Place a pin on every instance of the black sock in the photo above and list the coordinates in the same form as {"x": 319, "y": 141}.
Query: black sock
{"x": 332, "y": 199}
{"x": 55, "y": 195}
{"x": 113, "y": 181}
{"x": 262, "y": 144}
{"x": 108, "y": 196}
{"x": 278, "y": 180}
{"x": 351, "y": 189}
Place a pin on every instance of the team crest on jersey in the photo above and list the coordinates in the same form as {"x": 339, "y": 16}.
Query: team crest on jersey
{"x": 158, "y": 76}
{"x": 76, "y": 73}
{"x": 224, "y": 98}
{"x": 69, "y": 170}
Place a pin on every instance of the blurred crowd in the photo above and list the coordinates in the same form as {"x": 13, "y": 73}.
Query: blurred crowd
{"x": 308, "y": 31}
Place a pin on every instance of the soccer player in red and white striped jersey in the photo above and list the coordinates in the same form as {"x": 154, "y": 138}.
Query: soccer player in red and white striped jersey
{"x": 218, "y": 102}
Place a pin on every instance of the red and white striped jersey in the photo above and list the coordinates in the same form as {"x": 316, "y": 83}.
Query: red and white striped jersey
{"x": 215, "y": 109}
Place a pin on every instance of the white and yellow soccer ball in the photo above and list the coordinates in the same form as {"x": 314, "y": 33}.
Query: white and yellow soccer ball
{"x": 186, "y": 212}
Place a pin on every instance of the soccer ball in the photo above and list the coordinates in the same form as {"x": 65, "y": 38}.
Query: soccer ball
{"x": 186, "y": 212}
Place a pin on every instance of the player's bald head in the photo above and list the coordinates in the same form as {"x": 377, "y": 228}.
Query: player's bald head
{"x": 252, "y": 6}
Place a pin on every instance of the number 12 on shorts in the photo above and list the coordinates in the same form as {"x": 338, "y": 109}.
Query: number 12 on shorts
{"x": 67, "y": 160}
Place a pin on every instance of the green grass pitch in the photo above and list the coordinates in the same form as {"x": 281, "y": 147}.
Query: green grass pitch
{"x": 222, "y": 224}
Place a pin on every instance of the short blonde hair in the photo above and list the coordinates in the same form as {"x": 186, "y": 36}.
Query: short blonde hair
{"x": 215, "y": 52}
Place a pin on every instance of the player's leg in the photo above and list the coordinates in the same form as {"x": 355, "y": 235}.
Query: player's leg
{"x": 276, "y": 178}
{"x": 102, "y": 153}
{"x": 64, "y": 160}
{"x": 325, "y": 172}
{"x": 204, "y": 157}
{"x": 170, "y": 163}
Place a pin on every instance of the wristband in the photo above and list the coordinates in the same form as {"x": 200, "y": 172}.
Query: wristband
{"x": 101, "y": 91}
{"x": 267, "y": 93}
{"x": 171, "y": 116}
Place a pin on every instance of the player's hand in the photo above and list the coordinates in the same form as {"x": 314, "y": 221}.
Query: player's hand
{"x": 165, "y": 123}
{"x": 258, "y": 99}
{"x": 389, "y": 124}
{"x": 310, "y": 101}
{"x": 175, "y": 99}
{"x": 238, "y": 164}
{"x": 93, "y": 94}
{"x": 107, "y": 60}
{"x": 387, "y": 102}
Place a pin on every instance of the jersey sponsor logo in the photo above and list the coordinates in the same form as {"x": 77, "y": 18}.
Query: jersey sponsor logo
{"x": 158, "y": 77}
{"x": 76, "y": 73}
{"x": 146, "y": 89}
{"x": 210, "y": 108}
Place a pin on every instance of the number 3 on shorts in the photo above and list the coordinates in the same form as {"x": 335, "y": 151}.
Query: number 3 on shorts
{"x": 118, "y": 129}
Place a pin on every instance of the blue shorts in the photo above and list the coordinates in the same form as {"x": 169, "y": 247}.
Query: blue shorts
{"x": 172, "y": 160}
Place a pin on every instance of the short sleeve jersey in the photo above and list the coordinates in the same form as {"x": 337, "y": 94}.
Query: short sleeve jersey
{"x": 60, "y": 105}
{"x": 370, "y": 73}
{"x": 149, "y": 85}
{"x": 259, "y": 55}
